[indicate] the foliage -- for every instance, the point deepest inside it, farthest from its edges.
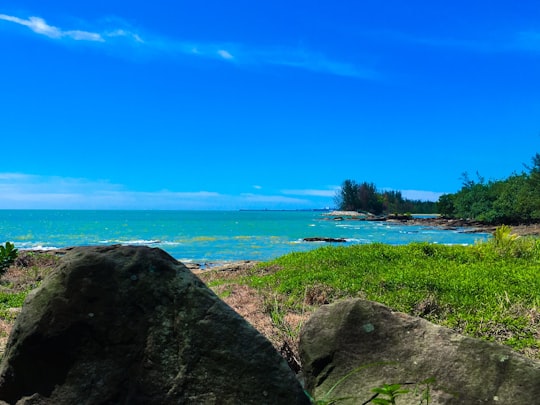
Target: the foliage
(489, 290)
(8, 301)
(8, 254)
(390, 391)
(25, 273)
(511, 201)
(364, 197)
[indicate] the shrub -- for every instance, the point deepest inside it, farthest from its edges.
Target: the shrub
(8, 254)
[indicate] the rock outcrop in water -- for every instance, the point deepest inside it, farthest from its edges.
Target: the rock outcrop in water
(388, 347)
(131, 325)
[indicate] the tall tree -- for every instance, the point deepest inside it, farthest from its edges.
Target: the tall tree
(347, 197)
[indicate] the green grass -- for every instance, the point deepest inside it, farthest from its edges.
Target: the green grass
(490, 290)
(9, 300)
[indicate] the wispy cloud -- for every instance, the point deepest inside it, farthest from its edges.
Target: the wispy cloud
(40, 26)
(225, 54)
(124, 34)
(239, 54)
(313, 61)
(26, 191)
(19, 190)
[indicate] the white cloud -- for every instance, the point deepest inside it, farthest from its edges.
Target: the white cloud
(40, 26)
(26, 191)
(19, 190)
(298, 58)
(83, 36)
(124, 33)
(225, 54)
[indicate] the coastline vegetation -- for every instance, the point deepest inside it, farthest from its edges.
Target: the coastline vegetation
(8, 254)
(489, 290)
(514, 200)
(364, 197)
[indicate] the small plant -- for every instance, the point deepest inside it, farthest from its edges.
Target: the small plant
(8, 254)
(384, 395)
(503, 236)
(508, 244)
(387, 394)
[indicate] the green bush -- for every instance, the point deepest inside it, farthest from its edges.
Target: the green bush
(8, 254)
(513, 200)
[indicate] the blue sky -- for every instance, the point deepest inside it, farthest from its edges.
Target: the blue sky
(245, 104)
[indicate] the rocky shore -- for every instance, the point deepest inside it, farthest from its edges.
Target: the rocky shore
(463, 225)
(468, 226)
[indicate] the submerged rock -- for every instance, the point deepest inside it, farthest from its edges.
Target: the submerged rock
(131, 325)
(386, 347)
(324, 239)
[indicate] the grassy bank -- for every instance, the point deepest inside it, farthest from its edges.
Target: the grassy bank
(490, 290)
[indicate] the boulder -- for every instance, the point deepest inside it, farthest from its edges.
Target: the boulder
(368, 345)
(131, 325)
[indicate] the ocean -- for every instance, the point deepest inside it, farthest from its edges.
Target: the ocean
(208, 236)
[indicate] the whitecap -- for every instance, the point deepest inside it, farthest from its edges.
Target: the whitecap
(140, 242)
(40, 247)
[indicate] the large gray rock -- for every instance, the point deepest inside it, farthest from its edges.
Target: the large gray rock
(397, 348)
(131, 325)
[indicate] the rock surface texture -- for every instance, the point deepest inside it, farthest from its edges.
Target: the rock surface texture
(131, 325)
(389, 347)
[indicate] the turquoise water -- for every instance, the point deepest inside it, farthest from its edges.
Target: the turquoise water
(206, 236)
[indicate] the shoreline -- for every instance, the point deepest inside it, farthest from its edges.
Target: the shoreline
(467, 226)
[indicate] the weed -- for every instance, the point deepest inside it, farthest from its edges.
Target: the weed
(390, 392)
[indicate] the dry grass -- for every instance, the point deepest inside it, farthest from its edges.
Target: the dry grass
(23, 275)
(28, 270)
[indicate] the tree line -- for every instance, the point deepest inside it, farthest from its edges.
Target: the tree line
(364, 197)
(510, 201)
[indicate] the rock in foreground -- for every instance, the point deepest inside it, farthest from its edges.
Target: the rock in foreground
(397, 348)
(131, 325)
